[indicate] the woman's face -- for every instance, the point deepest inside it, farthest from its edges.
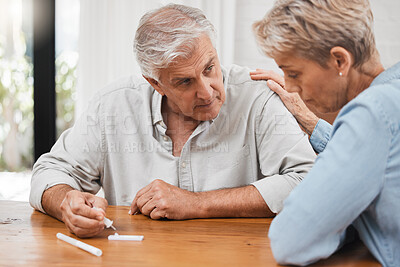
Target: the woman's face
(319, 87)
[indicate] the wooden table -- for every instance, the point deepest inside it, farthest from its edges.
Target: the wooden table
(30, 239)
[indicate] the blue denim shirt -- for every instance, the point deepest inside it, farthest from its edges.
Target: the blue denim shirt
(355, 180)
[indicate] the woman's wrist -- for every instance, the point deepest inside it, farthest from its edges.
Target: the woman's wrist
(308, 121)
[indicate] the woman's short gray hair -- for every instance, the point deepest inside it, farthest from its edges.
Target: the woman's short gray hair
(167, 33)
(311, 28)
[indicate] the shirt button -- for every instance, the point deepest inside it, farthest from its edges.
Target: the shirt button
(165, 138)
(183, 164)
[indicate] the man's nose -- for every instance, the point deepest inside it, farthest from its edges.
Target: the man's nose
(204, 91)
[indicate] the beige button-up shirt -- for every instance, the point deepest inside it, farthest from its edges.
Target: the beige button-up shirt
(120, 144)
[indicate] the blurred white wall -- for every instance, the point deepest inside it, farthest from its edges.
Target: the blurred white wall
(387, 30)
(107, 29)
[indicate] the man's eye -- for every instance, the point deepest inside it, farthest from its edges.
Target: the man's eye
(210, 68)
(185, 81)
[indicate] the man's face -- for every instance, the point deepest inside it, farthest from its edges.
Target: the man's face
(194, 87)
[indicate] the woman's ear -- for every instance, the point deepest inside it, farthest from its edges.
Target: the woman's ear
(155, 85)
(342, 60)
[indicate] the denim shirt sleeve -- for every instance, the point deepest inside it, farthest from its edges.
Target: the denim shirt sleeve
(346, 178)
(320, 135)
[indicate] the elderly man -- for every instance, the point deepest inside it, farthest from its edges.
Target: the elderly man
(189, 141)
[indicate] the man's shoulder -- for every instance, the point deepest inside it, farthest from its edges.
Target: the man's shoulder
(238, 79)
(240, 88)
(124, 94)
(133, 83)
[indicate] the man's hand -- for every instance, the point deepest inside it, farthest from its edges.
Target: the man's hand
(162, 200)
(79, 216)
(305, 117)
(74, 208)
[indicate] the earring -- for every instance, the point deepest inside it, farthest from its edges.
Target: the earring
(340, 74)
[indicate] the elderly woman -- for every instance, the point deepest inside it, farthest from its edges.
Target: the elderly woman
(327, 52)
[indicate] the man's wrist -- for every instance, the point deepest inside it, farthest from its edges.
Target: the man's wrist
(231, 202)
(52, 199)
(200, 208)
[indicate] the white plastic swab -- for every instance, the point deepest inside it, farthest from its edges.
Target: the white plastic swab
(107, 221)
(80, 244)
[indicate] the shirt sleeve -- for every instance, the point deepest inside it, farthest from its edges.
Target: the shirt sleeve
(320, 135)
(75, 159)
(346, 178)
(284, 153)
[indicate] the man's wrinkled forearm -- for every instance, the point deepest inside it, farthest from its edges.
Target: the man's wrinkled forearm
(233, 202)
(52, 199)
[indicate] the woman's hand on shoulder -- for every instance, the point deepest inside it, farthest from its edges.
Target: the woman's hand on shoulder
(305, 117)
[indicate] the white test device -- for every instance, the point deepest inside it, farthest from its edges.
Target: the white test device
(126, 237)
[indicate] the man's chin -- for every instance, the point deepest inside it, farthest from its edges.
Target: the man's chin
(206, 116)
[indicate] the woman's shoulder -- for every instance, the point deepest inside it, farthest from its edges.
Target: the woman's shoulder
(378, 104)
(384, 91)
(383, 96)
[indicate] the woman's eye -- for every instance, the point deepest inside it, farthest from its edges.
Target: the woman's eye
(292, 76)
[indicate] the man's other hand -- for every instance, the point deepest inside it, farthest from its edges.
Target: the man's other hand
(162, 200)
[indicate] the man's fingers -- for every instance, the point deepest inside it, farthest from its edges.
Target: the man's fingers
(86, 211)
(144, 199)
(144, 190)
(156, 214)
(81, 204)
(81, 226)
(81, 221)
(79, 215)
(134, 206)
(148, 207)
(82, 233)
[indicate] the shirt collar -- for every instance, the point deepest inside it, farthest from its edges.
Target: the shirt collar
(156, 107)
(225, 81)
(388, 75)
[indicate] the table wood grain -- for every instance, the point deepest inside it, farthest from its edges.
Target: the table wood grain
(29, 238)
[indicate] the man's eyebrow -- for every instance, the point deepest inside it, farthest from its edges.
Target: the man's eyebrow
(178, 79)
(209, 62)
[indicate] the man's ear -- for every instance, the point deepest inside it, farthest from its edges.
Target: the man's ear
(155, 85)
(342, 60)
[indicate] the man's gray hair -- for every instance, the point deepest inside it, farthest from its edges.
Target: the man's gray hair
(169, 32)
